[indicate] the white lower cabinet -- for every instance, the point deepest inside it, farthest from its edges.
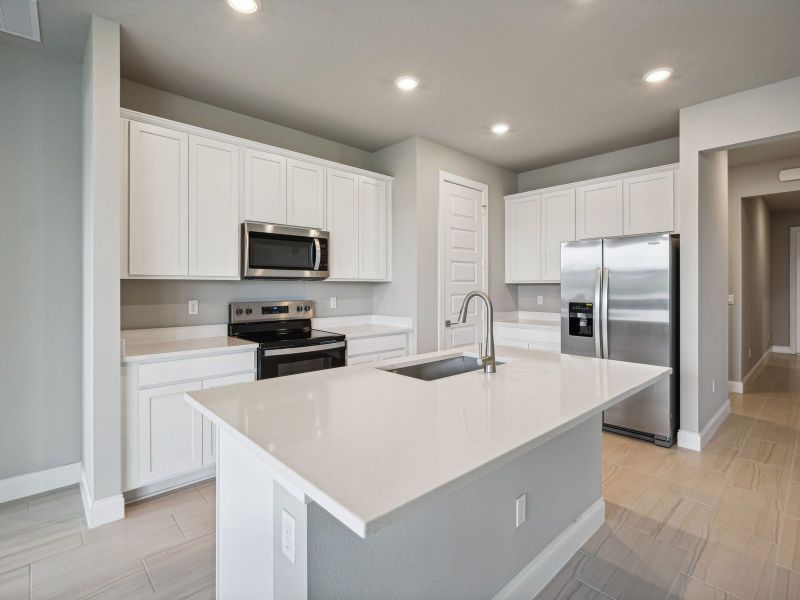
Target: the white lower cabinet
(373, 349)
(166, 440)
(529, 338)
(170, 433)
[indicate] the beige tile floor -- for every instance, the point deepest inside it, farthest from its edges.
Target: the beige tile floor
(164, 549)
(723, 524)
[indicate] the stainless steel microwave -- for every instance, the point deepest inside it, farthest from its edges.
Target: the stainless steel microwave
(283, 252)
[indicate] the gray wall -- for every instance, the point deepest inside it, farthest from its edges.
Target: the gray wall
(743, 182)
(431, 158)
(142, 98)
(756, 305)
(40, 242)
(154, 303)
(527, 297)
(463, 544)
(780, 222)
(629, 159)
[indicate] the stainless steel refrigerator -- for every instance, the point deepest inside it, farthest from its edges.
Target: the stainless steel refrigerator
(619, 300)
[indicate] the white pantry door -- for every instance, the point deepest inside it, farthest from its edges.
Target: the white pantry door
(462, 258)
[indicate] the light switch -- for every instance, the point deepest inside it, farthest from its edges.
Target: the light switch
(539, 299)
(521, 509)
(730, 299)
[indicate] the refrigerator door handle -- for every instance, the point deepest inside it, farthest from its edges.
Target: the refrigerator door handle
(598, 282)
(604, 317)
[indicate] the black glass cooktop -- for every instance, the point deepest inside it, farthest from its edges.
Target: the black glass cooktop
(284, 334)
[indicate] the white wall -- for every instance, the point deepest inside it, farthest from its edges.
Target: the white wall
(40, 268)
(102, 424)
(748, 116)
(663, 152)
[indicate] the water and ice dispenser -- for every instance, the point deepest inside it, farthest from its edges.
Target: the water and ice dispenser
(581, 321)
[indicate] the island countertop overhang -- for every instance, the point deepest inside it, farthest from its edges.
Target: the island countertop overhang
(368, 445)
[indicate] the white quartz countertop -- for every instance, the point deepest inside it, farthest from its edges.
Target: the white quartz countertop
(169, 349)
(353, 332)
(369, 445)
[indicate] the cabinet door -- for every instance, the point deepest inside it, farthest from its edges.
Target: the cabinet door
(558, 225)
(170, 433)
(158, 201)
(209, 429)
(372, 235)
(648, 203)
(600, 210)
(523, 239)
(213, 208)
(342, 222)
(264, 187)
(305, 203)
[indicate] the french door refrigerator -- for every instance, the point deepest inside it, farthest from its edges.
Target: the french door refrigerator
(619, 300)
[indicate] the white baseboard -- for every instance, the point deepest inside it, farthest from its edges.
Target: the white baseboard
(692, 440)
(754, 369)
(38, 482)
(534, 576)
(736, 387)
(100, 512)
(782, 350)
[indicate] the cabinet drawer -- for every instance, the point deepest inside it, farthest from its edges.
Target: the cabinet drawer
(523, 335)
(376, 344)
(203, 367)
(363, 358)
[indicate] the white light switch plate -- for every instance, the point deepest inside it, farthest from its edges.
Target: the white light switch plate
(539, 299)
(730, 299)
(287, 535)
(333, 301)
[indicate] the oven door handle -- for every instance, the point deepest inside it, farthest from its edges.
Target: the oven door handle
(318, 254)
(303, 349)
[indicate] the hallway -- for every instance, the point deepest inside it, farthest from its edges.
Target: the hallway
(721, 524)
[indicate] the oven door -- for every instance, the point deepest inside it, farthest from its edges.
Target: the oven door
(282, 252)
(301, 359)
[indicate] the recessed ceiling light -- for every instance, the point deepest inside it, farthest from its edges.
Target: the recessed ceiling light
(500, 128)
(658, 75)
(247, 7)
(406, 83)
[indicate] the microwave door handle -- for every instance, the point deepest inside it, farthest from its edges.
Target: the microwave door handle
(317, 254)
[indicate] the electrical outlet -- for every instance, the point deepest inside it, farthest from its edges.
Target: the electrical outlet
(730, 299)
(520, 509)
(287, 535)
(194, 307)
(539, 299)
(333, 301)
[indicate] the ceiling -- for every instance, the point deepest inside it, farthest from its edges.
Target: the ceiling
(787, 147)
(566, 74)
(783, 201)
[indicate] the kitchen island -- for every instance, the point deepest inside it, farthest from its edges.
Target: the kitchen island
(362, 483)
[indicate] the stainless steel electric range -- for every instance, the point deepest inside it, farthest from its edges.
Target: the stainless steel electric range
(287, 343)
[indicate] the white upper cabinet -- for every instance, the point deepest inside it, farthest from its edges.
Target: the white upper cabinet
(342, 222)
(213, 208)
(600, 209)
(523, 239)
(649, 203)
(158, 201)
(264, 186)
(558, 225)
(305, 201)
(373, 214)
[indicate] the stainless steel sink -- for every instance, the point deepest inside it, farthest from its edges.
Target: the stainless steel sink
(439, 369)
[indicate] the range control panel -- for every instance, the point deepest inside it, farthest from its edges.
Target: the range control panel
(248, 312)
(581, 320)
